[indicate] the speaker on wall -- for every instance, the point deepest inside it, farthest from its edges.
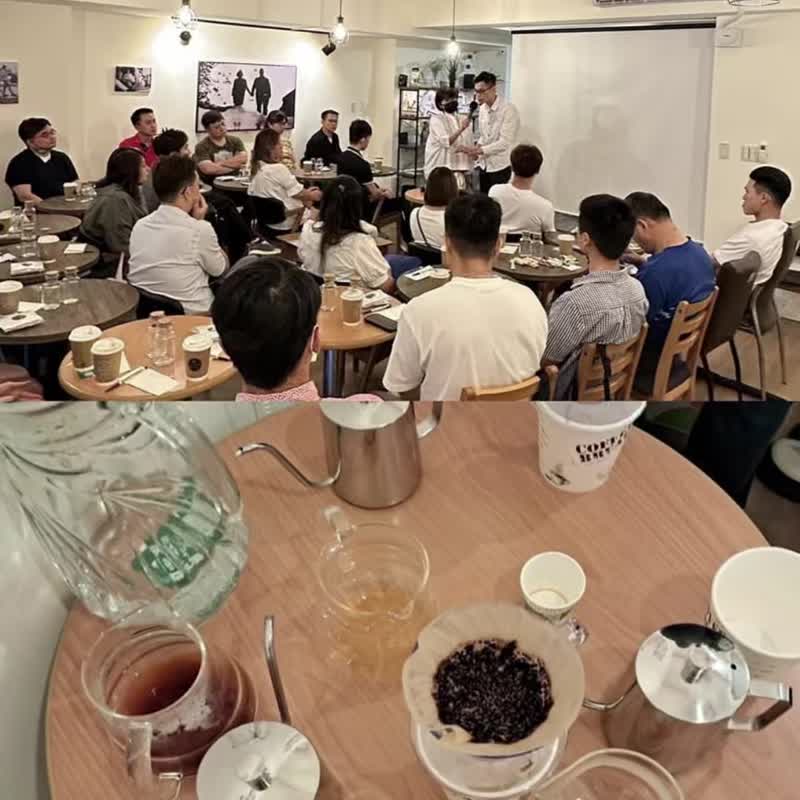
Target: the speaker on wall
(469, 81)
(402, 81)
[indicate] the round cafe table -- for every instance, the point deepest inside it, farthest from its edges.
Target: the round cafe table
(542, 278)
(408, 289)
(46, 225)
(83, 261)
(416, 197)
(315, 176)
(650, 542)
(134, 334)
(60, 205)
(235, 184)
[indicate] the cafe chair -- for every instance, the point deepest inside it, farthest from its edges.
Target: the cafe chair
(150, 302)
(735, 281)
(267, 212)
(429, 256)
(674, 374)
(607, 372)
(526, 390)
(381, 220)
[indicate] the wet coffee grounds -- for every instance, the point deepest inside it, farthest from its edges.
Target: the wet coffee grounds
(494, 691)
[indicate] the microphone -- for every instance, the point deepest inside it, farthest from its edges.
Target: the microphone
(473, 108)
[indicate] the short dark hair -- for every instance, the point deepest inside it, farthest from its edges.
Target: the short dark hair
(138, 114)
(647, 206)
(29, 127)
(486, 77)
(609, 223)
(169, 141)
(443, 95)
(123, 169)
(359, 129)
(172, 175)
(211, 118)
(276, 116)
(265, 314)
(329, 112)
(526, 160)
(472, 224)
(775, 182)
(441, 188)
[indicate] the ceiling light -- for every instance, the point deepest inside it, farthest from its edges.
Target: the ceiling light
(340, 34)
(185, 21)
(453, 47)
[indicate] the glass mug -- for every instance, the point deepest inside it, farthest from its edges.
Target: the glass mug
(165, 697)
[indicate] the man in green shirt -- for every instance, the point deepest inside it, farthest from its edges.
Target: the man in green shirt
(218, 154)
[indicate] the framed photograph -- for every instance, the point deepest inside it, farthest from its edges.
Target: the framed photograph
(133, 80)
(9, 82)
(245, 93)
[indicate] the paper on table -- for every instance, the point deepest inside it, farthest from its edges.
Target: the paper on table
(25, 307)
(392, 313)
(26, 268)
(7, 257)
(218, 353)
(74, 249)
(509, 249)
(18, 322)
(125, 365)
(275, 251)
(419, 274)
(154, 383)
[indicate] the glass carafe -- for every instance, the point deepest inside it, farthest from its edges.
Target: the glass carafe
(131, 503)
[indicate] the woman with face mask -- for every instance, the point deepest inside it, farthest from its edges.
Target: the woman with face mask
(447, 135)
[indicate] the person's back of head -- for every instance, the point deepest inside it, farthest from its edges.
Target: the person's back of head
(172, 176)
(650, 215)
(169, 142)
(340, 210)
(266, 149)
(277, 117)
(29, 127)
(774, 183)
(124, 168)
(360, 130)
(265, 315)
(472, 227)
(441, 188)
(211, 118)
(526, 161)
(607, 224)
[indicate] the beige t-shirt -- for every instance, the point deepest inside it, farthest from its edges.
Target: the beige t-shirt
(276, 182)
(764, 238)
(524, 210)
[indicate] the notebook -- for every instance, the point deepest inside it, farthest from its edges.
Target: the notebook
(386, 320)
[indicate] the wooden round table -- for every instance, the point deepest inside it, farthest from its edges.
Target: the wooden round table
(316, 177)
(60, 205)
(240, 185)
(408, 289)
(338, 339)
(384, 172)
(103, 303)
(542, 278)
(46, 225)
(134, 334)
(416, 197)
(83, 261)
(650, 542)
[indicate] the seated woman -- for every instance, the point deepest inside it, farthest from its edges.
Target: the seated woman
(272, 179)
(119, 206)
(279, 122)
(343, 245)
(427, 222)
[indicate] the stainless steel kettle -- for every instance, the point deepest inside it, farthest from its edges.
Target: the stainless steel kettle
(690, 683)
(372, 451)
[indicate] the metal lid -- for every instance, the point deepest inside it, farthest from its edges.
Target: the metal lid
(363, 416)
(692, 673)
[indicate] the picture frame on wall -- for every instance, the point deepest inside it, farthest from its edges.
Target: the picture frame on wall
(9, 83)
(133, 80)
(245, 93)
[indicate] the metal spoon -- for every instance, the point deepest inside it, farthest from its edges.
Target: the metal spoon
(272, 665)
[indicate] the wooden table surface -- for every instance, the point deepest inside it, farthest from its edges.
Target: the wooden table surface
(103, 303)
(293, 240)
(46, 225)
(60, 205)
(314, 176)
(335, 335)
(540, 274)
(416, 197)
(83, 261)
(235, 185)
(650, 542)
(134, 334)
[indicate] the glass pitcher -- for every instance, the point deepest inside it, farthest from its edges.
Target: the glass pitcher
(131, 504)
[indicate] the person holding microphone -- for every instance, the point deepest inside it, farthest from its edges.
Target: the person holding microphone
(448, 138)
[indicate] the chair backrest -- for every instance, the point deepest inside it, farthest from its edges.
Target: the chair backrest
(526, 390)
(429, 256)
(764, 299)
(267, 212)
(150, 302)
(735, 281)
(684, 342)
(378, 210)
(607, 372)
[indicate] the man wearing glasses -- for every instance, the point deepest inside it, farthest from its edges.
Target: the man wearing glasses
(498, 123)
(39, 171)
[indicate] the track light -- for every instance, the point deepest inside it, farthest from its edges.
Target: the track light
(329, 48)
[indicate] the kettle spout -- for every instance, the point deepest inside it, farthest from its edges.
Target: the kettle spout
(288, 465)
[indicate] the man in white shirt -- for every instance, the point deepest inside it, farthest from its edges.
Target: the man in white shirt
(764, 197)
(478, 330)
(498, 123)
(174, 250)
(523, 209)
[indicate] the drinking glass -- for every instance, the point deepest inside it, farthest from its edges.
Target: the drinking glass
(163, 352)
(29, 248)
(51, 295)
(329, 293)
(70, 286)
(537, 245)
(526, 245)
(152, 332)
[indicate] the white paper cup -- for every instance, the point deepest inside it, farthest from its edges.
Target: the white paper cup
(552, 585)
(566, 242)
(352, 306)
(10, 295)
(441, 275)
(49, 247)
(755, 601)
(81, 341)
(71, 191)
(579, 442)
(197, 355)
(107, 355)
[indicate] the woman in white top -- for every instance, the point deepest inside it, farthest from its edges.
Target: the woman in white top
(447, 134)
(272, 179)
(427, 222)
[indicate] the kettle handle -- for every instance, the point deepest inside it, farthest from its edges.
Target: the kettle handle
(779, 692)
(288, 465)
(428, 425)
(140, 765)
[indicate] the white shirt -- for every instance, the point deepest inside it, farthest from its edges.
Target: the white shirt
(499, 130)
(172, 254)
(765, 238)
(427, 226)
(438, 150)
(485, 332)
(524, 210)
(356, 252)
(275, 181)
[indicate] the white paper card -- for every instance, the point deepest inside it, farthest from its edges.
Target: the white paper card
(17, 322)
(124, 365)
(7, 257)
(26, 268)
(420, 274)
(28, 308)
(393, 313)
(154, 383)
(509, 249)
(74, 249)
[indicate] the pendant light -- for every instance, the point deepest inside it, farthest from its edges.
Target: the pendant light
(453, 47)
(185, 21)
(340, 35)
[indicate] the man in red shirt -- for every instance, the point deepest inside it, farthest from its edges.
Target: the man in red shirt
(144, 120)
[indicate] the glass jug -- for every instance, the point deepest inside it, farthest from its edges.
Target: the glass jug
(131, 504)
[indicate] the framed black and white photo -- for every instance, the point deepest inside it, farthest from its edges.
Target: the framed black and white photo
(245, 93)
(9, 82)
(133, 80)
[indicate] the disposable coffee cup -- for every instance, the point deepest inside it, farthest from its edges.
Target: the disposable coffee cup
(352, 302)
(49, 247)
(579, 443)
(378, 162)
(197, 356)
(552, 585)
(107, 356)
(440, 275)
(10, 295)
(566, 242)
(308, 166)
(81, 341)
(71, 191)
(755, 602)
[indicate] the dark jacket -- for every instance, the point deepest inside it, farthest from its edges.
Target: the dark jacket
(319, 146)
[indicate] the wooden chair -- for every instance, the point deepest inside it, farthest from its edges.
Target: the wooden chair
(607, 372)
(526, 390)
(676, 370)
(381, 220)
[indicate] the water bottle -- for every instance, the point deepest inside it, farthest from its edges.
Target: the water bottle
(50, 293)
(537, 245)
(29, 248)
(70, 286)
(526, 245)
(155, 317)
(329, 292)
(164, 346)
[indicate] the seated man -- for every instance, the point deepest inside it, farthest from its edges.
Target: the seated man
(764, 197)
(606, 306)
(218, 154)
(678, 269)
(478, 330)
(144, 120)
(324, 143)
(174, 250)
(39, 171)
(523, 209)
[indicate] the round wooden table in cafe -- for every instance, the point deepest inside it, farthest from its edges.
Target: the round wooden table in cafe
(315, 176)
(416, 197)
(46, 225)
(135, 336)
(542, 278)
(650, 542)
(408, 289)
(60, 205)
(83, 261)
(232, 184)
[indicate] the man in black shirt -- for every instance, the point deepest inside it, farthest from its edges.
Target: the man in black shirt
(40, 171)
(324, 143)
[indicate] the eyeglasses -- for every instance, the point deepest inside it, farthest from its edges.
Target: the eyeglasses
(483, 91)
(47, 133)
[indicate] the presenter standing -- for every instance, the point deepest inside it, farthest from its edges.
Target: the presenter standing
(449, 137)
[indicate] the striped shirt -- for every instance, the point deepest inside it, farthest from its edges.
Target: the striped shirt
(603, 307)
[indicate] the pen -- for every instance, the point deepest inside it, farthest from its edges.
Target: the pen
(126, 377)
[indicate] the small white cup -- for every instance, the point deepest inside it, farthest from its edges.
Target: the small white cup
(552, 584)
